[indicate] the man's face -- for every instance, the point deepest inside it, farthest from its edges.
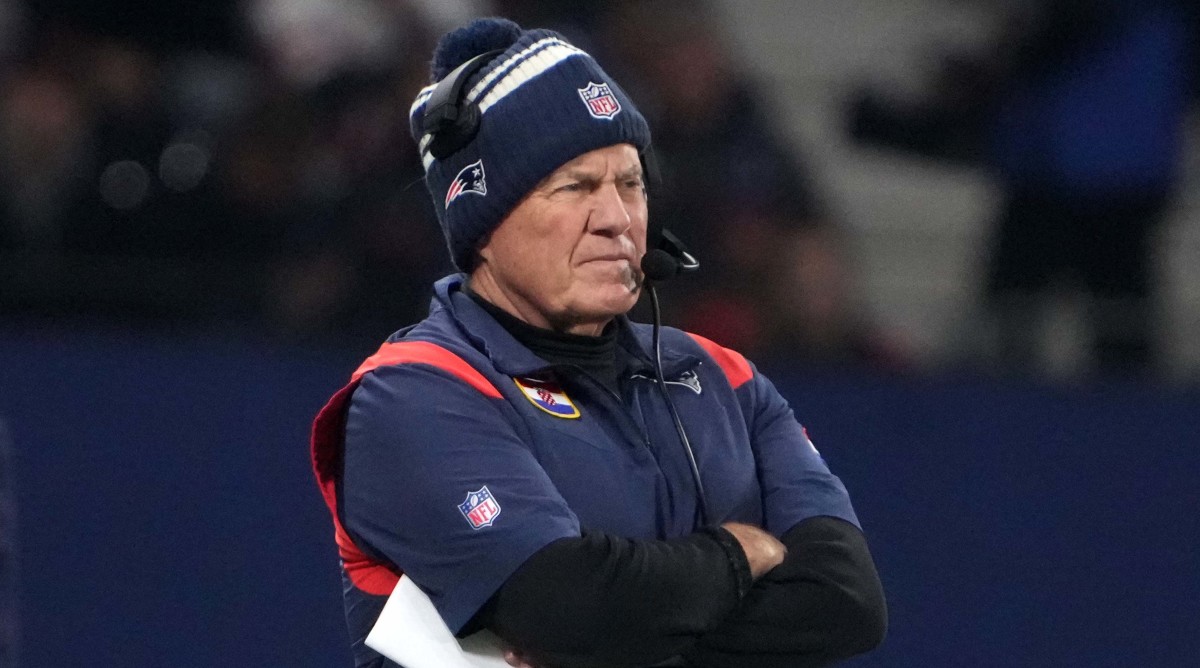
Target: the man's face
(567, 257)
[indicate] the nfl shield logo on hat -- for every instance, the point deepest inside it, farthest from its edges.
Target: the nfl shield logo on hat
(601, 102)
(480, 508)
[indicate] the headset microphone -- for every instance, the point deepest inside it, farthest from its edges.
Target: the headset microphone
(668, 260)
(659, 264)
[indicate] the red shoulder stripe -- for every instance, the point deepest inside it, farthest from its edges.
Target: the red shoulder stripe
(329, 427)
(736, 368)
(367, 575)
(423, 352)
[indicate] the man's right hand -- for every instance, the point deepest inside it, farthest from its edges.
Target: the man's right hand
(763, 550)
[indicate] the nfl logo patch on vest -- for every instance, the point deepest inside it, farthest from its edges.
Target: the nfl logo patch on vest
(601, 102)
(548, 396)
(480, 508)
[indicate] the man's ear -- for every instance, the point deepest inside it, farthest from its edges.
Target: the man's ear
(482, 253)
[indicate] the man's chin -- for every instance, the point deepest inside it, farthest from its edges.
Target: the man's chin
(612, 301)
(601, 274)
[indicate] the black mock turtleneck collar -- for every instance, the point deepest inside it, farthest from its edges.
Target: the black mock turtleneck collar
(597, 355)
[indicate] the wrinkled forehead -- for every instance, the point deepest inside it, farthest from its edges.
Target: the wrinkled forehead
(617, 160)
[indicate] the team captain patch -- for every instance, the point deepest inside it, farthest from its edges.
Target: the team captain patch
(548, 396)
(480, 508)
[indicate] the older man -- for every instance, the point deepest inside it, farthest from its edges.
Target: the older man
(513, 454)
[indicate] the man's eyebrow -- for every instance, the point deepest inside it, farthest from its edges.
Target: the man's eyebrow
(586, 175)
(630, 172)
(578, 174)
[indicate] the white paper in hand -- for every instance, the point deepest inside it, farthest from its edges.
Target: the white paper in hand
(410, 632)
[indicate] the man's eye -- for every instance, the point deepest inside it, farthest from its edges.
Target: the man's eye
(570, 187)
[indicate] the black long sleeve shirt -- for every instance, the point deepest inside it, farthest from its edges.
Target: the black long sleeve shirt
(600, 601)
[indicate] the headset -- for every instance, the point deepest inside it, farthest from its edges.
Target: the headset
(450, 119)
(453, 121)
(665, 259)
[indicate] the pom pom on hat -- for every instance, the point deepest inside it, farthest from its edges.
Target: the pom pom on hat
(479, 36)
(541, 103)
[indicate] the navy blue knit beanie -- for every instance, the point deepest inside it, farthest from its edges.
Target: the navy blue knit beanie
(543, 103)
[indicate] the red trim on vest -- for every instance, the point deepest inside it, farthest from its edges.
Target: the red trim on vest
(422, 352)
(329, 430)
(736, 368)
(328, 436)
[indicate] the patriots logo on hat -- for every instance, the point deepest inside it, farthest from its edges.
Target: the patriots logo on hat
(600, 101)
(480, 508)
(469, 180)
(548, 396)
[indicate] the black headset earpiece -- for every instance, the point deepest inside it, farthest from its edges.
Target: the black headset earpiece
(451, 120)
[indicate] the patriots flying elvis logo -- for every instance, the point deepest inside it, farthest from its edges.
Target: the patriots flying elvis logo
(469, 180)
(687, 379)
(480, 508)
(600, 101)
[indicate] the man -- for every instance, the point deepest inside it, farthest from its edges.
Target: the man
(512, 453)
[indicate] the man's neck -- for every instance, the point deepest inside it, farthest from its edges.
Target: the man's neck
(598, 356)
(484, 286)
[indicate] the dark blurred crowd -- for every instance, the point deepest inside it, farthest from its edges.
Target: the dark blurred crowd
(1077, 109)
(237, 165)
(248, 165)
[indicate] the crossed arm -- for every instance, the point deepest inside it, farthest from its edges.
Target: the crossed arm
(732, 597)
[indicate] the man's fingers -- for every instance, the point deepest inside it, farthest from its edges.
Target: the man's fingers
(513, 658)
(763, 550)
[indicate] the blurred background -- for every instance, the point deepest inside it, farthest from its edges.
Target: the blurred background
(962, 236)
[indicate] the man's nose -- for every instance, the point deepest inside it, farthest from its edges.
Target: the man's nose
(610, 213)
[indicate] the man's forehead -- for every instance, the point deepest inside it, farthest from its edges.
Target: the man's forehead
(619, 158)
